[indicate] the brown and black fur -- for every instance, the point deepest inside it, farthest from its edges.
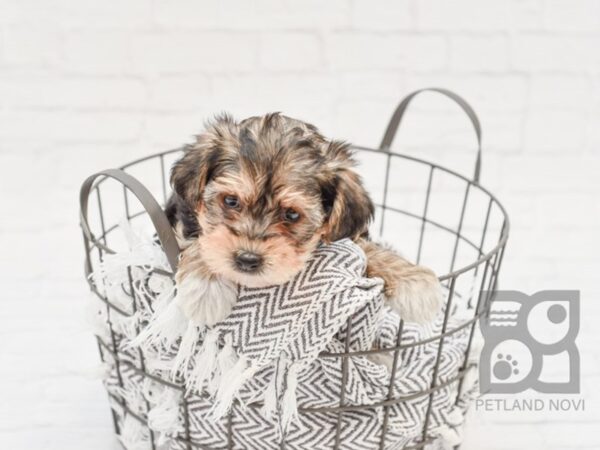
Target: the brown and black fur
(273, 165)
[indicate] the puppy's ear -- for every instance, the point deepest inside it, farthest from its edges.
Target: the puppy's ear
(191, 174)
(347, 205)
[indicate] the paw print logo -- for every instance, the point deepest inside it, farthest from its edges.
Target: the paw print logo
(523, 333)
(505, 367)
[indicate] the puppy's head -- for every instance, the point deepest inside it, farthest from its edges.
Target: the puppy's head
(265, 192)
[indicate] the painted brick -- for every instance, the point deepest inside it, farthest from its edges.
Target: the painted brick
(560, 92)
(24, 47)
(73, 92)
(471, 15)
(180, 92)
(576, 15)
(480, 53)
(97, 52)
(257, 15)
(290, 51)
(191, 52)
(563, 54)
(383, 15)
(354, 51)
(560, 132)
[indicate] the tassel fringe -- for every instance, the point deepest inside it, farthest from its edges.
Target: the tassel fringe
(289, 406)
(271, 393)
(163, 415)
(281, 392)
(187, 349)
(164, 328)
(226, 361)
(205, 363)
(229, 386)
(134, 436)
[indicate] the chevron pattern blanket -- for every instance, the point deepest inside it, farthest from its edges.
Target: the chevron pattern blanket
(256, 379)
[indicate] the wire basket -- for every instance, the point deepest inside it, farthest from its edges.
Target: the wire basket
(436, 216)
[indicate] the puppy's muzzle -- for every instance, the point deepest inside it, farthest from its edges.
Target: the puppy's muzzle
(248, 262)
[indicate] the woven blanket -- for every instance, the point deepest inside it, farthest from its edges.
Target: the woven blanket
(256, 377)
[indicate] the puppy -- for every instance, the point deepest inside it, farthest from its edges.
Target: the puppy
(253, 199)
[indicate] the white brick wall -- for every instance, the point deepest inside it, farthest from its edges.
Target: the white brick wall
(86, 85)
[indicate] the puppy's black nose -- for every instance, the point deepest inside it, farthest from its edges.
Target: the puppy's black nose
(248, 261)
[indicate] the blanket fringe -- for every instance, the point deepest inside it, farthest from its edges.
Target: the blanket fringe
(281, 391)
(163, 415)
(229, 385)
(452, 437)
(164, 328)
(205, 363)
(226, 361)
(270, 395)
(111, 272)
(187, 349)
(289, 405)
(133, 435)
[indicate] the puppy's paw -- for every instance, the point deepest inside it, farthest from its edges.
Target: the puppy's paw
(416, 295)
(206, 300)
(413, 291)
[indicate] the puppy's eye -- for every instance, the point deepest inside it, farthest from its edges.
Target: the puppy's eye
(291, 215)
(231, 201)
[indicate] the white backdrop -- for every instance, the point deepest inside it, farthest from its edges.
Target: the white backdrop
(87, 85)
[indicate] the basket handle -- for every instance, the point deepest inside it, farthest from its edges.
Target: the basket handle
(396, 118)
(152, 207)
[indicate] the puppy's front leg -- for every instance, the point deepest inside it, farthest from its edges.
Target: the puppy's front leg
(413, 291)
(204, 297)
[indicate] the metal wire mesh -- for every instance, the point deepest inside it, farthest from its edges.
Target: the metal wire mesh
(476, 242)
